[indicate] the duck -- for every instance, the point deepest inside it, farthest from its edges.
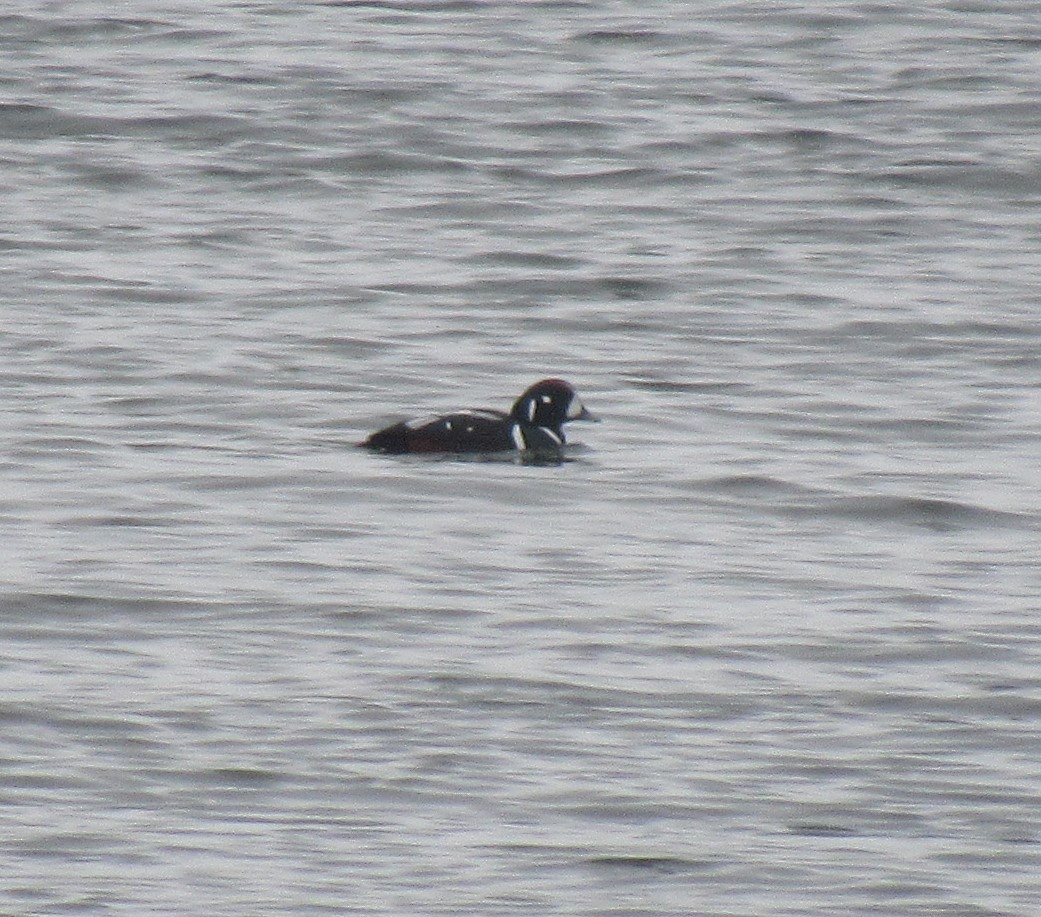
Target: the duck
(534, 425)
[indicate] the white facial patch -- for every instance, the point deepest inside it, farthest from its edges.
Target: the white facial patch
(574, 409)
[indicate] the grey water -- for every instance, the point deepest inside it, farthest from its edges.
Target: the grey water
(770, 643)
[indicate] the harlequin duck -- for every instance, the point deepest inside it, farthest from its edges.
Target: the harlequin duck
(533, 426)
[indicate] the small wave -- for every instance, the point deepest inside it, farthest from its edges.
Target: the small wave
(527, 259)
(666, 865)
(103, 28)
(820, 829)
(69, 607)
(40, 122)
(965, 175)
(680, 386)
(932, 513)
(409, 6)
(757, 484)
(795, 500)
(622, 37)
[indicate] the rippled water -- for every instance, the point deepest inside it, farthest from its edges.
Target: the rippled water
(769, 644)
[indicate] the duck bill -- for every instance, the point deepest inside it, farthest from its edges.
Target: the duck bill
(586, 414)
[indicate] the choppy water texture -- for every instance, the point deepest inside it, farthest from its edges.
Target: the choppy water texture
(768, 645)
